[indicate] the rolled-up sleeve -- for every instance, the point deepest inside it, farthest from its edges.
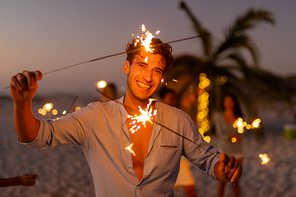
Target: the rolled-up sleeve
(71, 129)
(202, 154)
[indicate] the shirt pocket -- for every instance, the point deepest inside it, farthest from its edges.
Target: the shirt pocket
(170, 149)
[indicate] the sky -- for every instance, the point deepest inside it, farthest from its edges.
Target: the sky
(48, 35)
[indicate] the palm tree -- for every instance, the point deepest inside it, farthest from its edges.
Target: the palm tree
(226, 59)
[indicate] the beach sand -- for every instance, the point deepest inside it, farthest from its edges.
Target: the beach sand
(64, 172)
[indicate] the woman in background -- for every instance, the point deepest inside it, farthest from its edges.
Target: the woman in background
(228, 139)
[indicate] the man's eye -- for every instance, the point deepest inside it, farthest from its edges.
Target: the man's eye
(158, 71)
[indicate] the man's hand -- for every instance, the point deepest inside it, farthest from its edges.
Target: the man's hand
(228, 169)
(23, 86)
(27, 179)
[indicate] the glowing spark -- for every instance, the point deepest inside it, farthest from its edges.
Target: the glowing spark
(101, 84)
(256, 123)
(240, 124)
(143, 28)
(175, 80)
(146, 115)
(146, 39)
(162, 80)
(129, 148)
(146, 59)
(265, 159)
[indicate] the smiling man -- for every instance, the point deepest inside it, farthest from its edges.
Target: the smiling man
(103, 130)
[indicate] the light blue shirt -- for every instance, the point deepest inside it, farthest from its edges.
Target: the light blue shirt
(102, 132)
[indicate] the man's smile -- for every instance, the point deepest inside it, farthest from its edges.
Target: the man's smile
(147, 87)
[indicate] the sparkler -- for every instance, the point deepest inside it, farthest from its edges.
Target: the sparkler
(265, 159)
(129, 148)
(240, 124)
(117, 54)
(145, 116)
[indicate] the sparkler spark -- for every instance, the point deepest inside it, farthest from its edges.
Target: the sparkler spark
(129, 148)
(265, 159)
(240, 124)
(146, 39)
(145, 116)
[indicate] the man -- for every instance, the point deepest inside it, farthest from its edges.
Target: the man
(103, 130)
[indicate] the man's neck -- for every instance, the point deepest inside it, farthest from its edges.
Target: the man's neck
(132, 105)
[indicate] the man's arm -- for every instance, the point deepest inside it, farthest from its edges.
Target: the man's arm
(228, 169)
(23, 87)
(24, 180)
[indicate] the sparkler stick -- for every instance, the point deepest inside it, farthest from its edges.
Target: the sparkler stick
(116, 54)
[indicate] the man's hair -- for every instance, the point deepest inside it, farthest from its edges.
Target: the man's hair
(163, 49)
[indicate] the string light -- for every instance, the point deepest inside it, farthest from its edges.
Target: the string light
(202, 105)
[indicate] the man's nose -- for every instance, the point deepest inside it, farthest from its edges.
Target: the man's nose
(148, 75)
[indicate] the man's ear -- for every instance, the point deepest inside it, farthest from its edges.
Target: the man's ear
(126, 66)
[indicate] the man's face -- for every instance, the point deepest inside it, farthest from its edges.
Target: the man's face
(144, 75)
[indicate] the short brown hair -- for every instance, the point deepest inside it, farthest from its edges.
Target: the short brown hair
(159, 47)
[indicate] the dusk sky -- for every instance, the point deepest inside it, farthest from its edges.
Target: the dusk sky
(47, 35)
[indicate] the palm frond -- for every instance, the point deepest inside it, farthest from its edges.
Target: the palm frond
(206, 40)
(237, 42)
(250, 19)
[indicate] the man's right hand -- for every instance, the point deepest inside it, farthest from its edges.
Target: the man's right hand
(23, 86)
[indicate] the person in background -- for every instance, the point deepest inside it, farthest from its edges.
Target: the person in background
(185, 179)
(24, 180)
(109, 93)
(228, 139)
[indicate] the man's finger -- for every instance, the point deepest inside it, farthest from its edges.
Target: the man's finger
(229, 164)
(233, 169)
(38, 75)
(237, 174)
(22, 80)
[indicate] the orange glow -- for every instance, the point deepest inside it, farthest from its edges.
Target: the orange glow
(101, 84)
(48, 106)
(146, 38)
(129, 148)
(265, 159)
(54, 112)
(233, 140)
(146, 115)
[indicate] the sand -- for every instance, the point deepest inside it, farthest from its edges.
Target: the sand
(64, 172)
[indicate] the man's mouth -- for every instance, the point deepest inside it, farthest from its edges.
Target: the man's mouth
(147, 87)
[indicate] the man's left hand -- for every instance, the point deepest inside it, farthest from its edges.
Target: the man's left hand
(228, 169)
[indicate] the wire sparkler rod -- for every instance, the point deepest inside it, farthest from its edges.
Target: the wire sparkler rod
(116, 54)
